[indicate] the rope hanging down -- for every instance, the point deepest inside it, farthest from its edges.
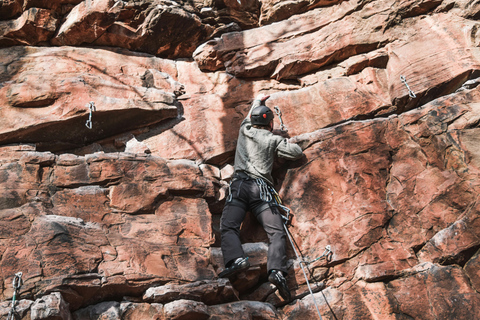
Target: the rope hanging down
(411, 94)
(91, 107)
(303, 269)
(17, 283)
(327, 253)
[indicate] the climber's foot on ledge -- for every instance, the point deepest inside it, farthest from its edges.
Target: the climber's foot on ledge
(240, 264)
(276, 277)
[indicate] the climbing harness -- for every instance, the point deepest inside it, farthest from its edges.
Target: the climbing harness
(17, 283)
(91, 107)
(283, 128)
(411, 94)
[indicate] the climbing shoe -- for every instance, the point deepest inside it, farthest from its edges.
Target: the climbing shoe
(276, 277)
(238, 265)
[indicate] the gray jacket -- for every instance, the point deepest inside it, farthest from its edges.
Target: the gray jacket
(256, 149)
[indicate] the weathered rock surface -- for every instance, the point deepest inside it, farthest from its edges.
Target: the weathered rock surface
(77, 232)
(22, 309)
(39, 103)
(207, 292)
(51, 307)
(113, 26)
(111, 210)
(178, 27)
(33, 27)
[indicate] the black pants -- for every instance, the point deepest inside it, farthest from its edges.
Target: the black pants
(246, 197)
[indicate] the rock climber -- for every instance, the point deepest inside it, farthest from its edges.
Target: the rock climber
(250, 190)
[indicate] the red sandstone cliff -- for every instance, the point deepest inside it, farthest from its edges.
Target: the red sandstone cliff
(120, 221)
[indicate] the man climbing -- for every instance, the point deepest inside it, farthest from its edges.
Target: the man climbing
(250, 191)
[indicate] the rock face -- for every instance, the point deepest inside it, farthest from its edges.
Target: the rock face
(118, 126)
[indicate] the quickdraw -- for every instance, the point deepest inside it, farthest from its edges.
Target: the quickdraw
(283, 128)
(91, 107)
(411, 94)
(277, 201)
(17, 283)
(328, 252)
(265, 192)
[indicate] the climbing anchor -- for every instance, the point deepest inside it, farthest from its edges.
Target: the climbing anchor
(17, 283)
(283, 128)
(91, 107)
